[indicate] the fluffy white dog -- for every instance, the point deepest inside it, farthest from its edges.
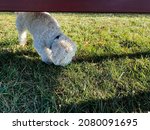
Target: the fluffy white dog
(50, 43)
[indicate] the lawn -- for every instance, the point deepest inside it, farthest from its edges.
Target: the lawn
(111, 72)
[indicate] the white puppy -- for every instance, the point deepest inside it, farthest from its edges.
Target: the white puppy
(50, 43)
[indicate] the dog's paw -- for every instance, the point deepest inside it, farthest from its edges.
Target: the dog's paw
(47, 62)
(22, 44)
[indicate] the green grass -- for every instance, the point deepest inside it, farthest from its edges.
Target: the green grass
(111, 72)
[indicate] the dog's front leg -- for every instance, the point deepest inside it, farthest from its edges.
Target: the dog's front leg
(44, 52)
(22, 37)
(22, 34)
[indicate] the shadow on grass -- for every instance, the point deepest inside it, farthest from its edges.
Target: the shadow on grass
(132, 103)
(26, 83)
(96, 58)
(139, 102)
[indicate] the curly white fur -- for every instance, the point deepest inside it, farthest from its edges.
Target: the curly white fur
(50, 43)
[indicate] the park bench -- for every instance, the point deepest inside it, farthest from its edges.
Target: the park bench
(122, 6)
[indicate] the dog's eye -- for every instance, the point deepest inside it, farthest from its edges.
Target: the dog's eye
(57, 37)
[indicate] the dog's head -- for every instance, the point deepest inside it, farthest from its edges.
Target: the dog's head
(63, 50)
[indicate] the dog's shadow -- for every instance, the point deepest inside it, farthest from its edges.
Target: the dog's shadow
(98, 58)
(139, 102)
(26, 83)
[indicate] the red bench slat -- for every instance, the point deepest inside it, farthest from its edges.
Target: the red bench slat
(123, 6)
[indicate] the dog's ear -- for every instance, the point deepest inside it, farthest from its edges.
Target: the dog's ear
(66, 45)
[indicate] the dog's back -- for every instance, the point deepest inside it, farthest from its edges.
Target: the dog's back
(37, 22)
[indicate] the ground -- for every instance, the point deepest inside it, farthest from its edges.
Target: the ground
(111, 72)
